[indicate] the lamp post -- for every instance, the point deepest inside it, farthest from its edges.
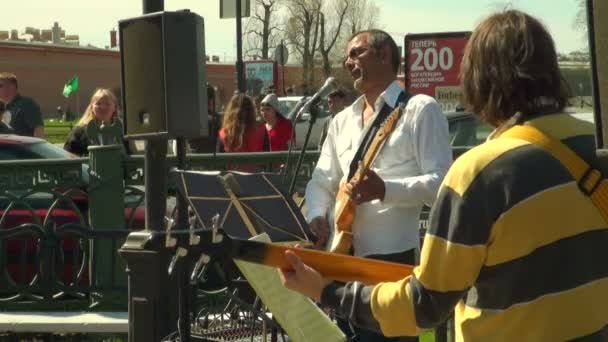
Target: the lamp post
(240, 73)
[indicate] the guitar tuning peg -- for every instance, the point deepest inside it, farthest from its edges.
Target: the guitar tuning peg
(179, 253)
(194, 239)
(203, 260)
(216, 235)
(170, 242)
(169, 221)
(215, 221)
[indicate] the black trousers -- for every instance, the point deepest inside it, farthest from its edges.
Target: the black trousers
(362, 335)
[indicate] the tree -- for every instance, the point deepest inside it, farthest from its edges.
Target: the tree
(261, 32)
(361, 15)
(329, 33)
(580, 22)
(303, 34)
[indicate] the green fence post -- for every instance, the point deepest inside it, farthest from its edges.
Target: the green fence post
(107, 212)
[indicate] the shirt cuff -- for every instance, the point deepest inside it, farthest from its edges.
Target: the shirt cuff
(315, 212)
(331, 296)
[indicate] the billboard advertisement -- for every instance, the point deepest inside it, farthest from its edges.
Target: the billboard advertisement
(432, 63)
(260, 77)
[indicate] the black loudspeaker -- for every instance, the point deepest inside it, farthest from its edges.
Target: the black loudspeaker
(164, 75)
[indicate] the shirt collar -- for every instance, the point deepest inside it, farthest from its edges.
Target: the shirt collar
(389, 96)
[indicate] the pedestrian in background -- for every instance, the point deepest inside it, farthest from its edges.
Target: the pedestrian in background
(280, 130)
(4, 122)
(22, 112)
(240, 131)
(102, 110)
(336, 102)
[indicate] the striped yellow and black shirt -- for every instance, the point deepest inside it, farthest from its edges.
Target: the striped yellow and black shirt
(513, 244)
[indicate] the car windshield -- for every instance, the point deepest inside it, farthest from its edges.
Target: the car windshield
(286, 106)
(468, 131)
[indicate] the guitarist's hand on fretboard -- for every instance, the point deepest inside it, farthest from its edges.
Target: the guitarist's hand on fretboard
(320, 228)
(368, 188)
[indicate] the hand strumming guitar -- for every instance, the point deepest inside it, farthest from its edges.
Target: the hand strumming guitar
(371, 187)
(320, 228)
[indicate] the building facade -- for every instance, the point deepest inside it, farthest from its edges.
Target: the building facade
(43, 69)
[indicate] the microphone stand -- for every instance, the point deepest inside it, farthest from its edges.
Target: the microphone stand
(314, 112)
(292, 141)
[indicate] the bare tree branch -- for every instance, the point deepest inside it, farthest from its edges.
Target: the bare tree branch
(261, 27)
(337, 13)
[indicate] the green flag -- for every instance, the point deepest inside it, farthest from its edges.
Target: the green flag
(71, 87)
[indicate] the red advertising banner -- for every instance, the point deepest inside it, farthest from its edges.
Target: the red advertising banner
(432, 64)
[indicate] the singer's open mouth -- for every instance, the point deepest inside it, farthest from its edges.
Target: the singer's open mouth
(355, 74)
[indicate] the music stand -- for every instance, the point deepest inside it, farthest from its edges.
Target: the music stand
(253, 204)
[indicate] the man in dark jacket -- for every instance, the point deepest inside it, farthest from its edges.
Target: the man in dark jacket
(24, 112)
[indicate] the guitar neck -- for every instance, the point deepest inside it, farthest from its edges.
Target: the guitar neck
(343, 268)
(376, 144)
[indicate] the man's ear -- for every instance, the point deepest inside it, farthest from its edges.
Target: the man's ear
(385, 54)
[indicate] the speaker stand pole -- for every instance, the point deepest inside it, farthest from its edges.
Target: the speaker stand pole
(184, 289)
(153, 312)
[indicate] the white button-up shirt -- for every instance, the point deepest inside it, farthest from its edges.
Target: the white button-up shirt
(412, 164)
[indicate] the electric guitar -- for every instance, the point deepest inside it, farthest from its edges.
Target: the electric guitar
(341, 237)
(207, 244)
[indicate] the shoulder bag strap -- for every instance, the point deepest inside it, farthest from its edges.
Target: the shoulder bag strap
(589, 180)
(370, 133)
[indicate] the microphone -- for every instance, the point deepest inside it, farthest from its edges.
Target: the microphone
(328, 87)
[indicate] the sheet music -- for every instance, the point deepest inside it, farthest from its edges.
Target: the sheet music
(301, 318)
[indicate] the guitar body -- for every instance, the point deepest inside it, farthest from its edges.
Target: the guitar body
(342, 238)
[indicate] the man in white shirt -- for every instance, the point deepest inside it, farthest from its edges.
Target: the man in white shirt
(406, 173)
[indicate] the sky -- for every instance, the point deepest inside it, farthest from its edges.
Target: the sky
(93, 19)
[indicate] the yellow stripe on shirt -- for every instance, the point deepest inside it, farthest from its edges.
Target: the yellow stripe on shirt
(544, 218)
(555, 317)
(463, 261)
(470, 164)
(392, 307)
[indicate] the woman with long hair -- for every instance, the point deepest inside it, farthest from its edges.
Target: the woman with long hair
(240, 132)
(102, 110)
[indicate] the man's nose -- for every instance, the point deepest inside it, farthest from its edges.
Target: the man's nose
(348, 64)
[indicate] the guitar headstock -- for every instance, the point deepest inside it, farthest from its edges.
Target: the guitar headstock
(200, 244)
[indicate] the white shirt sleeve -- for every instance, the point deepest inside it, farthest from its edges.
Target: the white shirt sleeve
(432, 151)
(322, 187)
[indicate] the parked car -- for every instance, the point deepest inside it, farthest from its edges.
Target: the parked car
(289, 106)
(467, 131)
(13, 147)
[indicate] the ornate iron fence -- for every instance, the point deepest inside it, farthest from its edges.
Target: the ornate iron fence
(57, 251)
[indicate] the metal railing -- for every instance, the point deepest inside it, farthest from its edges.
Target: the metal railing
(56, 253)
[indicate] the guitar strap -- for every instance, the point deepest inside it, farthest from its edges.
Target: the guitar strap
(371, 131)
